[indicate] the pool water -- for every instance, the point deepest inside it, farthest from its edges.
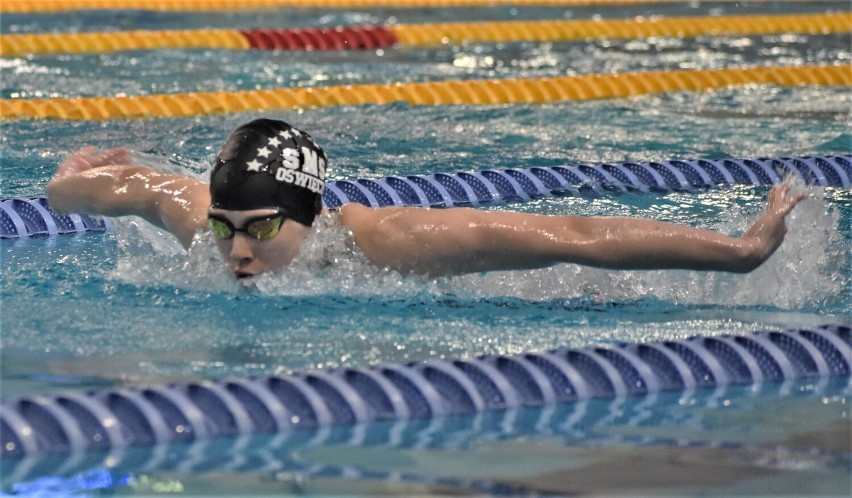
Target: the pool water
(130, 308)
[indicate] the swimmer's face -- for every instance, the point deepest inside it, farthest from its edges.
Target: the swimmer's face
(247, 255)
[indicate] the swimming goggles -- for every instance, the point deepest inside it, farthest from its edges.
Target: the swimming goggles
(260, 227)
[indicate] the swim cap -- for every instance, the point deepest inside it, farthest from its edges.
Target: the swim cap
(269, 164)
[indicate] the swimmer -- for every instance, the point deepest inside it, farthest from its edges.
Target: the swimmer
(265, 192)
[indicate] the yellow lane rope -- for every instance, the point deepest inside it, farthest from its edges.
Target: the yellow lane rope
(51, 43)
(430, 34)
(476, 92)
(13, 45)
(22, 6)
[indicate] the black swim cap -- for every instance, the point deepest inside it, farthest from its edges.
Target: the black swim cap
(269, 164)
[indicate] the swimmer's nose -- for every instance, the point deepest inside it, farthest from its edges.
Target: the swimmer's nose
(241, 250)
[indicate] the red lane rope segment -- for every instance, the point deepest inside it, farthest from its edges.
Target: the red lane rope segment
(371, 37)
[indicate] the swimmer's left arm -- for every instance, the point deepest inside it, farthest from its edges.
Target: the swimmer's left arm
(456, 241)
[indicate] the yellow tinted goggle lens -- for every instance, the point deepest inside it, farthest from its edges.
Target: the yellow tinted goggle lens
(265, 229)
(220, 229)
(261, 228)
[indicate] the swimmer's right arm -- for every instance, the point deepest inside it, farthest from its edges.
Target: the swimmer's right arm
(105, 183)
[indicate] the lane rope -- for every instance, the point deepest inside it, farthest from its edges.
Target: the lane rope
(567, 421)
(20, 218)
(414, 35)
(458, 92)
(45, 6)
(202, 410)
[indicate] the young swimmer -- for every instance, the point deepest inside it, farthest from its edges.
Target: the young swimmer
(265, 192)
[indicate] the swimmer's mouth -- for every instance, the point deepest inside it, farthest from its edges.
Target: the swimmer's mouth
(242, 274)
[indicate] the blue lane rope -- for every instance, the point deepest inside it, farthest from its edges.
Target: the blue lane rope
(27, 217)
(21, 218)
(263, 453)
(192, 411)
(518, 185)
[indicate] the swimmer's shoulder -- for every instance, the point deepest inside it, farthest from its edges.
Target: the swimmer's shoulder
(363, 219)
(354, 211)
(356, 216)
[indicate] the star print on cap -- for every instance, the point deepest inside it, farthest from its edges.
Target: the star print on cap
(294, 160)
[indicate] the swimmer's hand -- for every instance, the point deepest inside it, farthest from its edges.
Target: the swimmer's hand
(767, 233)
(90, 157)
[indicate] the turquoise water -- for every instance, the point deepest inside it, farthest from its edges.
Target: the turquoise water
(130, 308)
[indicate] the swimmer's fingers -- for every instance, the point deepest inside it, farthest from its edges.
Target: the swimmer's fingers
(86, 151)
(779, 203)
(76, 162)
(115, 156)
(90, 157)
(110, 157)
